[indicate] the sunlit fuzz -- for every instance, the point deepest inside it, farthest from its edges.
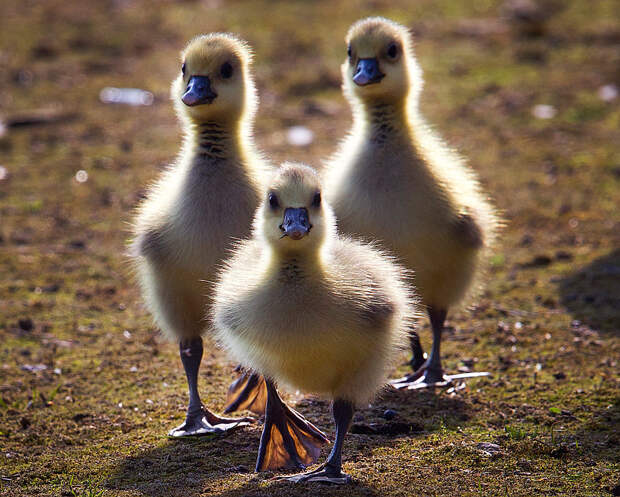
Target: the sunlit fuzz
(201, 204)
(393, 180)
(308, 308)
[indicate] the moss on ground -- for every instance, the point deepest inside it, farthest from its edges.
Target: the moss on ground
(93, 422)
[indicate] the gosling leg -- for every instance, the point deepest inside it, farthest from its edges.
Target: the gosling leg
(331, 470)
(434, 371)
(417, 353)
(199, 420)
(431, 373)
(288, 440)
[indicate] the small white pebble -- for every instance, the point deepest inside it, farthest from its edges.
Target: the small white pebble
(538, 366)
(149, 401)
(81, 176)
(518, 325)
(127, 96)
(127, 334)
(4, 173)
(544, 111)
(608, 93)
(547, 336)
(133, 369)
(135, 409)
(120, 405)
(165, 384)
(513, 348)
(57, 371)
(299, 136)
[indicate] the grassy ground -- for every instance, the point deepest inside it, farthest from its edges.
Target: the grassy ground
(93, 422)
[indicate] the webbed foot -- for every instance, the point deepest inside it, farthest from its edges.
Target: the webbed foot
(247, 392)
(426, 377)
(204, 422)
(288, 439)
(323, 474)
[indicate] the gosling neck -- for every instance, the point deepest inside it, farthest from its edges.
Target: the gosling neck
(215, 141)
(295, 266)
(384, 121)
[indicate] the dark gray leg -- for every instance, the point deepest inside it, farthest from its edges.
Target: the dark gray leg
(343, 414)
(434, 371)
(288, 440)
(431, 374)
(199, 420)
(331, 471)
(417, 353)
(191, 355)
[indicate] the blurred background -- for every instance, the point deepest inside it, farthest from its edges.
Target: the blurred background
(527, 90)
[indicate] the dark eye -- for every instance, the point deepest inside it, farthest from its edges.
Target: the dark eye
(392, 50)
(226, 70)
(183, 68)
(316, 200)
(349, 52)
(274, 203)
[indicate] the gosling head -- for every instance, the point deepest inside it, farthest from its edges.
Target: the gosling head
(214, 81)
(293, 216)
(380, 65)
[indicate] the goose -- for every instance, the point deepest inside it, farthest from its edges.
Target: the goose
(200, 204)
(311, 310)
(394, 181)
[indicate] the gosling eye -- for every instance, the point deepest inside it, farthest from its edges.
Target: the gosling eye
(183, 68)
(392, 50)
(226, 70)
(274, 203)
(316, 200)
(349, 51)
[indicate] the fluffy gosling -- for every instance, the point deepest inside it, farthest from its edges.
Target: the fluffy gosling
(393, 180)
(311, 310)
(202, 202)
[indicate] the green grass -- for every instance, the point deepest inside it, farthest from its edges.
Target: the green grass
(547, 332)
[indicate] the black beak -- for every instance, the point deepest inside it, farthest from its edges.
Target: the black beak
(296, 223)
(198, 91)
(367, 72)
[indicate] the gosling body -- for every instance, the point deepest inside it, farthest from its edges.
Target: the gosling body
(332, 320)
(312, 310)
(393, 180)
(200, 204)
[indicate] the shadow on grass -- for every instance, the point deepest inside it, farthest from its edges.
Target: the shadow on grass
(599, 438)
(288, 489)
(186, 467)
(592, 294)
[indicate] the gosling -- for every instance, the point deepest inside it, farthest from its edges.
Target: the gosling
(393, 180)
(311, 310)
(207, 198)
